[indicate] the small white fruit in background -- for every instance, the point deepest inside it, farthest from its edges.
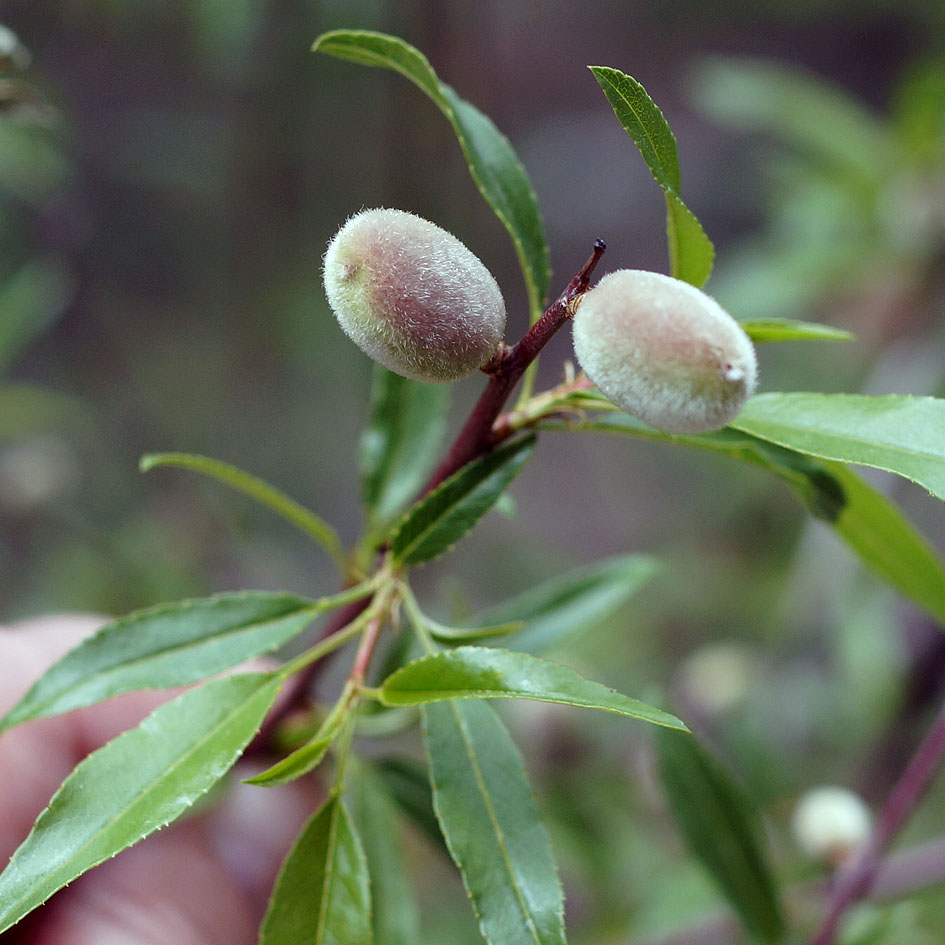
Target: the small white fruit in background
(412, 296)
(664, 351)
(831, 823)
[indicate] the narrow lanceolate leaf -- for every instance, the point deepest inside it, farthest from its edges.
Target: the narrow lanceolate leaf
(441, 518)
(304, 759)
(690, 250)
(493, 830)
(256, 488)
(897, 433)
(791, 329)
(138, 782)
(493, 164)
(394, 911)
(873, 527)
(721, 828)
(644, 122)
(477, 672)
(887, 542)
(170, 645)
(691, 253)
(322, 896)
(566, 606)
(400, 441)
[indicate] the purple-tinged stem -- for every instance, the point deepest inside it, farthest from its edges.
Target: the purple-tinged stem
(856, 880)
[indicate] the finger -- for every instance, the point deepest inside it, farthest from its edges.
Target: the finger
(171, 888)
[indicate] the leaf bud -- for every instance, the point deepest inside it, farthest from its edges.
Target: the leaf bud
(412, 296)
(664, 351)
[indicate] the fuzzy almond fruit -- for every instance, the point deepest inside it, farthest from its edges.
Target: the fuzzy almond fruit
(412, 296)
(664, 351)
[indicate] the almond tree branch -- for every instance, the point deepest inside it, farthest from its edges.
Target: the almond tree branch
(505, 370)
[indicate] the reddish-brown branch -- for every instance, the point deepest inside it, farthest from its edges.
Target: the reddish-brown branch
(475, 439)
(505, 370)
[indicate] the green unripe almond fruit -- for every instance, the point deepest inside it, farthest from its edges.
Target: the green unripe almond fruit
(664, 352)
(412, 296)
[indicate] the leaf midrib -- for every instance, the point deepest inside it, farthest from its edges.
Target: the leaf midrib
(493, 819)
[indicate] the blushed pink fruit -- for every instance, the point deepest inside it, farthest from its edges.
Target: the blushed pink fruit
(664, 352)
(412, 296)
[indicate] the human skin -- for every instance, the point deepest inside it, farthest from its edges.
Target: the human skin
(202, 881)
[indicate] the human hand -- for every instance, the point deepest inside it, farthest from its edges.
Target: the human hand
(201, 881)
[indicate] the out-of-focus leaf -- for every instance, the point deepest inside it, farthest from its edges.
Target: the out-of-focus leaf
(565, 606)
(791, 329)
(26, 409)
(897, 433)
(407, 782)
(169, 645)
(493, 164)
(887, 542)
(254, 487)
(721, 829)
(690, 251)
(478, 672)
(395, 914)
(400, 441)
(820, 119)
(873, 527)
(441, 518)
(322, 895)
(137, 783)
(30, 302)
(493, 830)
(14, 56)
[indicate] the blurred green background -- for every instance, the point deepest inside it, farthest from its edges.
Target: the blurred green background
(170, 174)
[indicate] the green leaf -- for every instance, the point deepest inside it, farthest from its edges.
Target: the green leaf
(137, 783)
(873, 527)
(322, 896)
(477, 672)
(690, 251)
(493, 164)
(454, 635)
(492, 827)
(887, 543)
(304, 759)
(400, 441)
(897, 433)
(644, 122)
(721, 829)
(273, 498)
(565, 606)
(170, 645)
(441, 518)
(395, 915)
(792, 329)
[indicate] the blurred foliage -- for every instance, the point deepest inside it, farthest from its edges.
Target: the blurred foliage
(169, 177)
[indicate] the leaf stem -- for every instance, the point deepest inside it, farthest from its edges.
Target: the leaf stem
(478, 435)
(274, 499)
